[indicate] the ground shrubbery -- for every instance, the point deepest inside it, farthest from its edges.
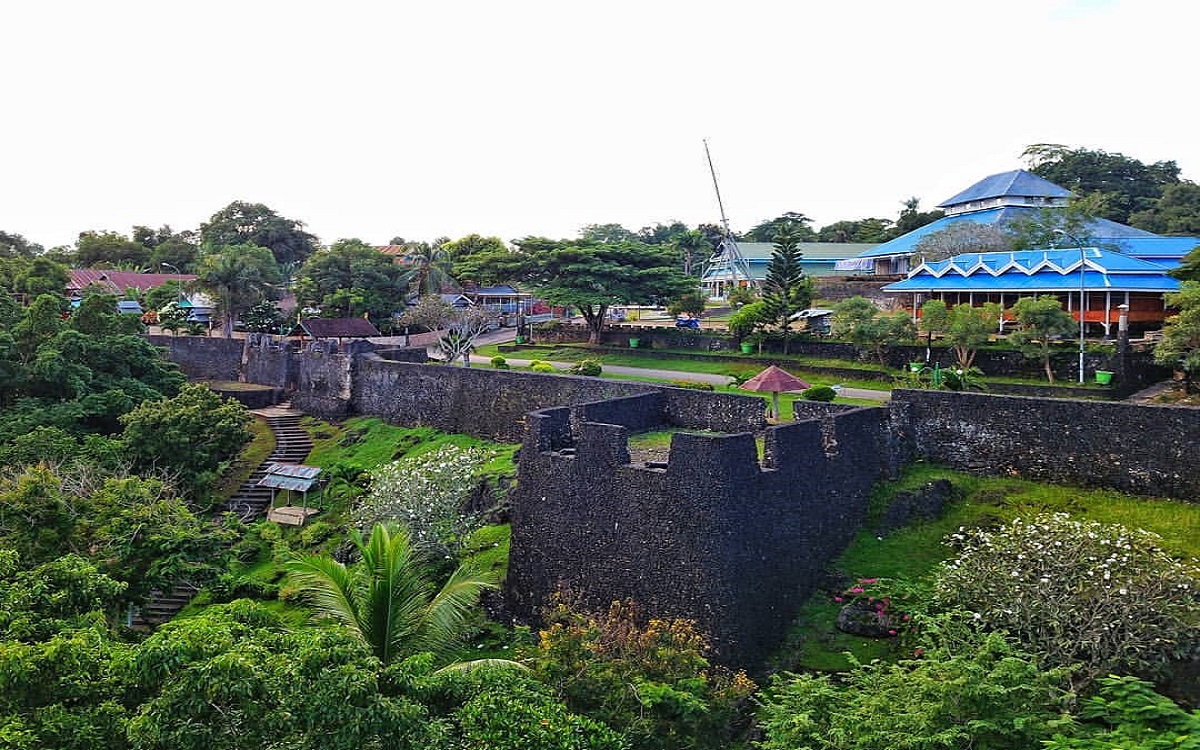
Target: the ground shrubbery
(427, 494)
(1099, 595)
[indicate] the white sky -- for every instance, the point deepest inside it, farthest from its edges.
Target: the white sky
(429, 117)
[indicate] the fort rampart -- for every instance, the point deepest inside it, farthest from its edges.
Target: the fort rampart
(726, 531)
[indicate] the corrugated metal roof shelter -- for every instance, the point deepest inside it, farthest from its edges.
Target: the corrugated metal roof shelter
(293, 477)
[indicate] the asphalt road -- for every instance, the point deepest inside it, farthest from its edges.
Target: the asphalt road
(505, 335)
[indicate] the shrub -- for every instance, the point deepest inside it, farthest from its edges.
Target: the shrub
(818, 393)
(1101, 595)
(538, 365)
(963, 689)
(500, 363)
(427, 494)
(693, 384)
(589, 366)
(651, 681)
(1127, 713)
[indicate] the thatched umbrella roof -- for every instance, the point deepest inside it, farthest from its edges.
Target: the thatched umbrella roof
(775, 380)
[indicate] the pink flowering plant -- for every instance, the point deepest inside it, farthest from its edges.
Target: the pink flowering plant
(1103, 596)
(874, 607)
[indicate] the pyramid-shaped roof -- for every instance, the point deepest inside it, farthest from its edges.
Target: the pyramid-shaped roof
(1017, 183)
(776, 380)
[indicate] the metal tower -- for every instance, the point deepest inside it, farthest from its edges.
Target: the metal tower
(727, 267)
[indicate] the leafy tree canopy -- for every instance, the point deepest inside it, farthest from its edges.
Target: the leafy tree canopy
(1180, 345)
(794, 221)
(110, 249)
(1126, 185)
(242, 223)
(590, 276)
(1040, 321)
(963, 237)
(187, 436)
(1176, 212)
(351, 278)
(237, 277)
(606, 233)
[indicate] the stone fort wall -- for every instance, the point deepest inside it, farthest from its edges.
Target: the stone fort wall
(716, 534)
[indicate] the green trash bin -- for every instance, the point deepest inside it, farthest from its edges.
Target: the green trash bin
(1103, 377)
(633, 343)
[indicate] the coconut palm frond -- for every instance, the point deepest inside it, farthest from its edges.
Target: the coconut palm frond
(329, 587)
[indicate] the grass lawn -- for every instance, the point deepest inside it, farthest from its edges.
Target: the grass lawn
(912, 553)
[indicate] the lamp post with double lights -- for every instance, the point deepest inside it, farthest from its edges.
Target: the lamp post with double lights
(178, 283)
(1082, 292)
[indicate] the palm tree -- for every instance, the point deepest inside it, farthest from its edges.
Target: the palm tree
(237, 276)
(388, 600)
(429, 265)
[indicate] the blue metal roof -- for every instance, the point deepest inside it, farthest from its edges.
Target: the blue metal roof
(1038, 271)
(1017, 183)
(1099, 231)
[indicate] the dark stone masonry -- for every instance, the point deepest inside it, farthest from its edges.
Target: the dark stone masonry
(716, 533)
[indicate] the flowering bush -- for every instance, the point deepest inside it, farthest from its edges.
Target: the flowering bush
(426, 494)
(868, 609)
(650, 680)
(1101, 595)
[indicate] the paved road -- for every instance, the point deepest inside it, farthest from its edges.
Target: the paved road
(504, 335)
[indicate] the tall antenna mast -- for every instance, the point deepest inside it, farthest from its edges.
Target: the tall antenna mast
(727, 266)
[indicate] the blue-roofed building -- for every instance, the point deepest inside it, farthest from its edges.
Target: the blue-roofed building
(996, 200)
(1106, 279)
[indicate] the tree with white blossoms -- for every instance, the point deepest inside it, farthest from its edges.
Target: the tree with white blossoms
(1103, 596)
(426, 494)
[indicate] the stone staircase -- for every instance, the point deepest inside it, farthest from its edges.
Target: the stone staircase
(250, 503)
(292, 446)
(160, 607)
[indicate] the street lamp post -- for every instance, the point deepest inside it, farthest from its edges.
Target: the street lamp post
(178, 283)
(1082, 292)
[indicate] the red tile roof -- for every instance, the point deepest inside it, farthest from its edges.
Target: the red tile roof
(119, 281)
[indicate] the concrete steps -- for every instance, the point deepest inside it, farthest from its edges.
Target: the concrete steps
(250, 502)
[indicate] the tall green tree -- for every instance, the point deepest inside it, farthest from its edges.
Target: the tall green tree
(794, 222)
(1180, 345)
(912, 217)
(606, 233)
(1176, 212)
(694, 248)
(965, 327)
(590, 276)
(860, 322)
(858, 230)
(242, 223)
(429, 266)
(388, 600)
(110, 249)
(237, 276)
(351, 278)
(1124, 185)
(786, 290)
(1040, 320)
(187, 436)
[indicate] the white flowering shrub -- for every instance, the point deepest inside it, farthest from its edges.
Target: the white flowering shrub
(1104, 596)
(426, 494)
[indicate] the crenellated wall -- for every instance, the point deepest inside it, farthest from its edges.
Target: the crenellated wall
(714, 536)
